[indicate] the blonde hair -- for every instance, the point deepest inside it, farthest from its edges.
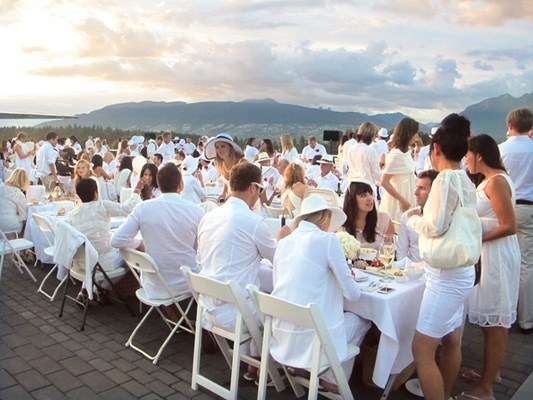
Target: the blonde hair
(286, 142)
(21, 135)
(233, 156)
(318, 218)
(293, 173)
(77, 178)
(19, 178)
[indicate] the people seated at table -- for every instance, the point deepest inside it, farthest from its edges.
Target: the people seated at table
(295, 188)
(494, 300)
(193, 181)
(326, 178)
(312, 149)
(398, 178)
(158, 160)
(98, 168)
(225, 153)
(364, 221)
(123, 177)
(440, 316)
(267, 147)
(209, 173)
(13, 203)
(363, 159)
(281, 167)
(148, 175)
(310, 267)
(93, 218)
(313, 168)
(407, 243)
(82, 170)
(169, 228)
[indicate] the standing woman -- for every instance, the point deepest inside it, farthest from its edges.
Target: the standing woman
(398, 178)
(440, 318)
(494, 300)
(288, 151)
(22, 155)
(226, 154)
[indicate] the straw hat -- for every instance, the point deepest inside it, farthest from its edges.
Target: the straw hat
(315, 203)
(210, 150)
(326, 159)
(263, 156)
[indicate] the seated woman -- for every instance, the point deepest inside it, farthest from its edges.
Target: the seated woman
(310, 267)
(148, 177)
(364, 221)
(193, 181)
(13, 204)
(82, 170)
(295, 188)
(93, 218)
(123, 177)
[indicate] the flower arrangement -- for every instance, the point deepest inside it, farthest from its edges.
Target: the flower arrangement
(350, 245)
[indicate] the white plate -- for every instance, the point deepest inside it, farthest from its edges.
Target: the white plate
(413, 386)
(361, 278)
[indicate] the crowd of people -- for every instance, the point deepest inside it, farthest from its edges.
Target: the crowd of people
(389, 184)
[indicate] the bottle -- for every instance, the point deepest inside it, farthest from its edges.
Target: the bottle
(339, 191)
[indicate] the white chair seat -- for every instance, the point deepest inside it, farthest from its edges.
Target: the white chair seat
(141, 295)
(14, 246)
(20, 244)
(49, 251)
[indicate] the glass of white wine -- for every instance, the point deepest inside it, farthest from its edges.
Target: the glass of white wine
(386, 254)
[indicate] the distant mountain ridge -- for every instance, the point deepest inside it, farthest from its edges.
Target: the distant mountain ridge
(268, 118)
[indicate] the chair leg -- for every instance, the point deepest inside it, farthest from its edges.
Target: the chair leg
(197, 349)
(64, 296)
(41, 286)
(23, 265)
(120, 298)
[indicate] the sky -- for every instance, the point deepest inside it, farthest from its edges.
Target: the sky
(424, 58)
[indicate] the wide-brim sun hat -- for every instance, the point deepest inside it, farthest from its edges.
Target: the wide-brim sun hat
(316, 203)
(326, 159)
(383, 133)
(136, 140)
(210, 150)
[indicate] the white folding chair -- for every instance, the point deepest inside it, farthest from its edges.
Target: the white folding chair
(273, 212)
(231, 293)
(329, 195)
(309, 317)
(13, 247)
(142, 263)
(47, 229)
(208, 206)
(77, 271)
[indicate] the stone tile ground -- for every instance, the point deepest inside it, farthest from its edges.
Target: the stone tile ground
(43, 356)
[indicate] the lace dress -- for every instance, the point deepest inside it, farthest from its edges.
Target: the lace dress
(493, 301)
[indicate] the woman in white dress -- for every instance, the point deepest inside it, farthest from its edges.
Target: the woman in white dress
(294, 188)
(13, 203)
(310, 267)
(288, 151)
(398, 179)
(494, 300)
(440, 317)
(23, 156)
(364, 221)
(193, 181)
(123, 176)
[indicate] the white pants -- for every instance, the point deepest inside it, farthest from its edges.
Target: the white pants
(524, 221)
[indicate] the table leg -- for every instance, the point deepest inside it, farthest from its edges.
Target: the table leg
(388, 387)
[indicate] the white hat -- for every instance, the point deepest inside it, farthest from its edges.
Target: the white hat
(359, 178)
(383, 133)
(177, 163)
(204, 157)
(136, 140)
(315, 203)
(210, 150)
(182, 141)
(263, 156)
(433, 131)
(190, 163)
(326, 159)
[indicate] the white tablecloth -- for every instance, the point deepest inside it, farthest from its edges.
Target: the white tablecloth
(395, 314)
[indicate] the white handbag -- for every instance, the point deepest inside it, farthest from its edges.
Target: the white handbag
(460, 246)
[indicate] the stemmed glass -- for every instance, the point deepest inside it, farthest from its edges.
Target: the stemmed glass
(386, 254)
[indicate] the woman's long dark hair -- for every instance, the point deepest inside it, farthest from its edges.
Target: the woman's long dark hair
(126, 163)
(486, 147)
(153, 170)
(270, 147)
(351, 210)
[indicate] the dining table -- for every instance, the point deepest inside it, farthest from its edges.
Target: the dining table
(395, 314)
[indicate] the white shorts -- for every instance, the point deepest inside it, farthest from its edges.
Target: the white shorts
(442, 308)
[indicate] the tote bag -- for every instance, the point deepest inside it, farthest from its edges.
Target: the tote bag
(460, 246)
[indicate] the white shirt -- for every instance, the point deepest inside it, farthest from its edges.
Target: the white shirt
(46, 155)
(210, 173)
(407, 243)
(363, 159)
(330, 181)
(517, 155)
(188, 148)
(310, 267)
(169, 227)
(89, 144)
(310, 153)
(291, 156)
(311, 171)
(250, 152)
(77, 148)
(151, 149)
(346, 148)
(192, 190)
(167, 151)
(232, 240)
(380, 146)
(424, 160)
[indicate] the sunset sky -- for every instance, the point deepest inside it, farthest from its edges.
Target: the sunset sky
(421, 57)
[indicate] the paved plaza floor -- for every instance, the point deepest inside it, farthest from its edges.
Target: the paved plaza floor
(43, 356)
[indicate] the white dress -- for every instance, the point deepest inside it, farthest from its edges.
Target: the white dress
(23, 162)
(402, 168)
(493, 301)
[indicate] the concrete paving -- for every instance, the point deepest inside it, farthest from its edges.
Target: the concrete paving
(43, 356)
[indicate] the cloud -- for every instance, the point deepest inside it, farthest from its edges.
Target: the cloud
(521, 56)
(483, 66)
(493, 12)
(401, 73)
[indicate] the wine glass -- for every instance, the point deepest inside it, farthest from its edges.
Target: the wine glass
(386, 254)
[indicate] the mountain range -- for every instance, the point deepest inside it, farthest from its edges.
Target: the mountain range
(268, 118)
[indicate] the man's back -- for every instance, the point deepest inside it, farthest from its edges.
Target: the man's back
(517, 156)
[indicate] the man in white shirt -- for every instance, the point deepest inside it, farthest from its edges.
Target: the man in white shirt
(407, 244)
(380, 144)
(188, 146)
(167, 148)
(346, 149)
(363, 160)
(424, 161)
(158, 160)
(232, 241)
(169, 228)
(517, 156)
(312, 149)
(270, 174)
(46, 158)
(209, 172)
(325, 179)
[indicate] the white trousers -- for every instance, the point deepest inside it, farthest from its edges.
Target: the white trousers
(524, 221)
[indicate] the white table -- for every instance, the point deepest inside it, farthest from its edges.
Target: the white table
(395, 314)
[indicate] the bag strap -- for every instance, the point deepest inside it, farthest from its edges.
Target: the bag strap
(459, 190)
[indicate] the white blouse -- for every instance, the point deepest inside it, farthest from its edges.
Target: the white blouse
(13, 208)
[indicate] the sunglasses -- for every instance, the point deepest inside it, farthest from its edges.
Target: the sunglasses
(259, 186)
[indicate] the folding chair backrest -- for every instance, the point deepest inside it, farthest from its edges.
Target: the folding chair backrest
(273, 212)
(45, 226)
(203, 285)
(329, 195)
